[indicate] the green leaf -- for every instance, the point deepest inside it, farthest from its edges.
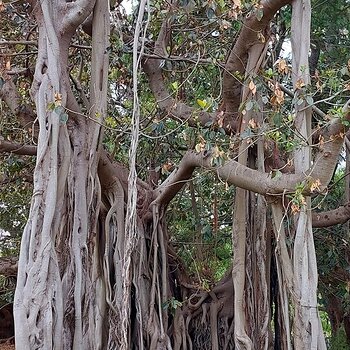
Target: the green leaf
(249, 105)
(202, 103)
(63, 118)
(51, 106)
(259, 14)
(344, 71)
(175, 85)
(309, 100)
(276, 174)
(59, 110)
(265, 100)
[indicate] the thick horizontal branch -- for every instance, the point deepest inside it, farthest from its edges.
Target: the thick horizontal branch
(17, 148)
(232, 172)
(331, 217)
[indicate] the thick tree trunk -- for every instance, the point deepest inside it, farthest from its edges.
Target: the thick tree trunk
(58, 295)
(307, 325)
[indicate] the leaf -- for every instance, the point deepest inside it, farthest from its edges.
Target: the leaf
(225, 24)
(202, 103)
(265, 99)
(278, 97)
(295, 208)
(51, 106)
(63, 118)
(259, 14)
(309, 100)
(175, 85)
(252, 87)
(315, 185)
(237, 3)
(261, 37)
(276, 174)
(300, 101)
(344, 71)
(249, 105)
(199, 147)
(252, 123)
(282, 66)
(58, 109)
(299, 84)
(58, 99)
(210, 13)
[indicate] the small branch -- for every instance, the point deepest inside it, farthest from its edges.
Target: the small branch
(194, 60)
(314, 108)
(18, 42)
(26, 53)
(35, 43)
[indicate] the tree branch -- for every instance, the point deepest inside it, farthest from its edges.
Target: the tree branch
(17, 148)
(331, 217)
(232, 172)
(77, 12)
(251, 33)
(174, 108)
(8, 266)
(12, 98)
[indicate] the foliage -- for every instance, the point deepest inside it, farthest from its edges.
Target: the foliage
(338, 341)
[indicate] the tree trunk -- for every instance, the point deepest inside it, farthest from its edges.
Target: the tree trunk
(59, 293)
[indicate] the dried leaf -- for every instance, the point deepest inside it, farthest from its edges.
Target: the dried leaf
(237, 3)
(252, 123)
(315, 185)
(299, 84)
(321, 140)
(261, 37)
(252, 87)
(295, 208)
(58, 99)
(282, 66)
(278, 97)
(220, 119)
(225, 24)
